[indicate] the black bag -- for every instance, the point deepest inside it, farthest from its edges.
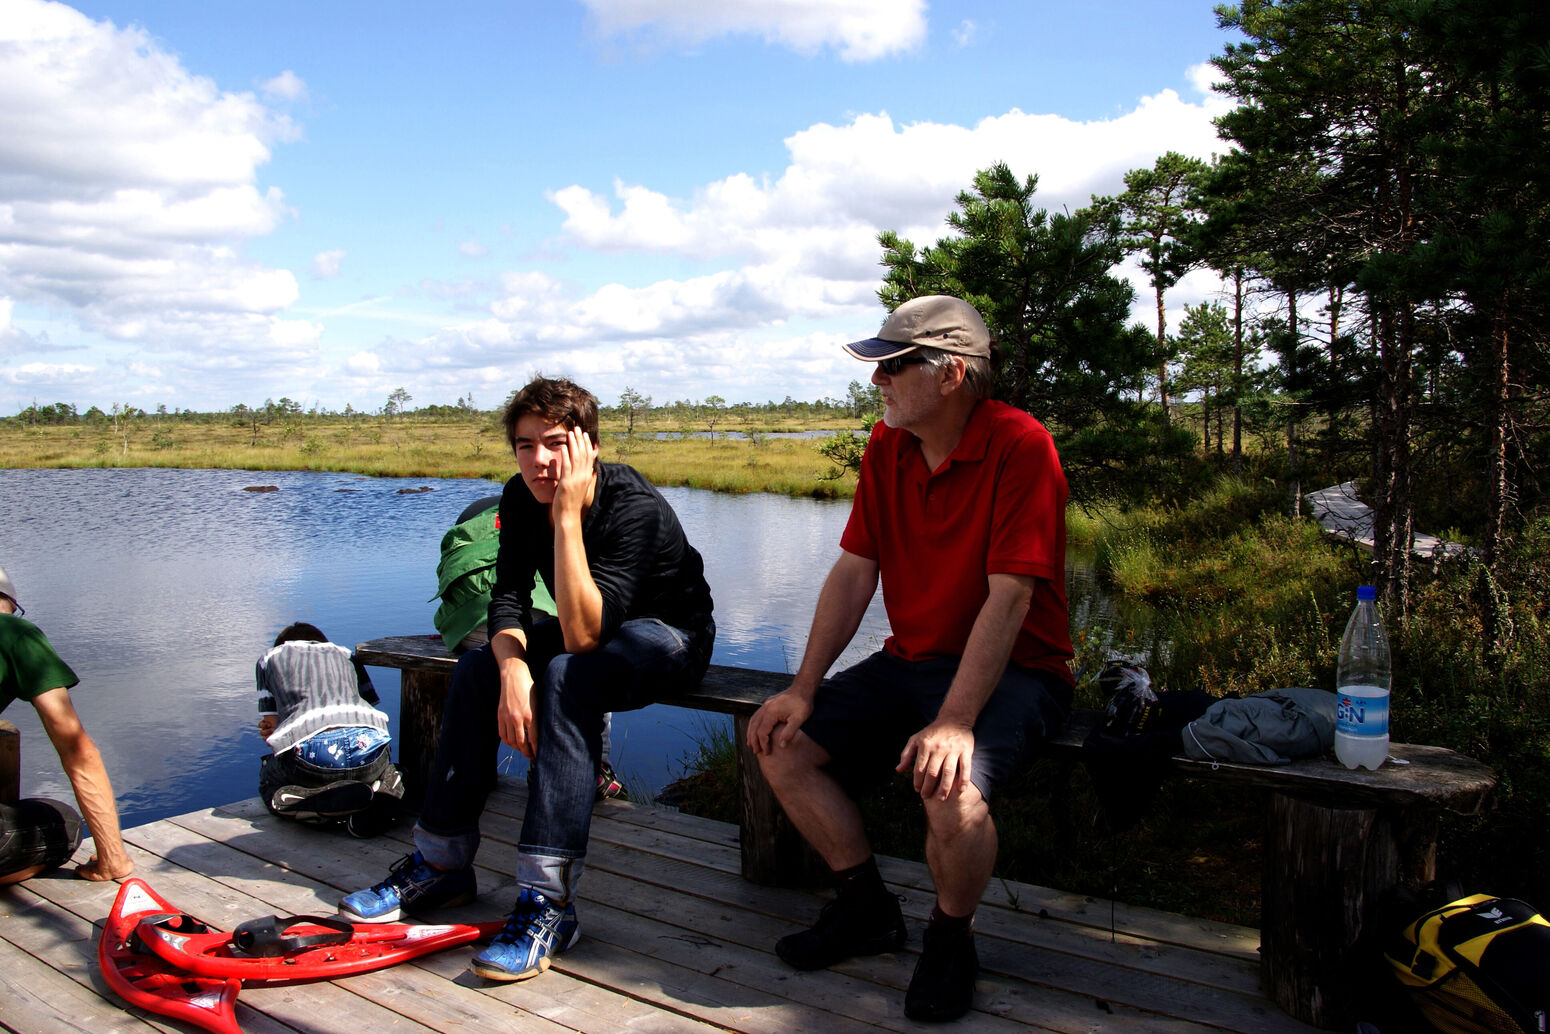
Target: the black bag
(1127, 754)
(1475, 964)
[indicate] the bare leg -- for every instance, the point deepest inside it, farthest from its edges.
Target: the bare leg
(961, 844)
(815, 803)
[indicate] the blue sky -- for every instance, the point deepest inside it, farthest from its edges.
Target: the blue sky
(205, 204)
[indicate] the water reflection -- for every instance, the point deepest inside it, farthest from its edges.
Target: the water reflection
(162, 587)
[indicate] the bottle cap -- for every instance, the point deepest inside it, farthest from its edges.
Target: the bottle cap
(1366, 592)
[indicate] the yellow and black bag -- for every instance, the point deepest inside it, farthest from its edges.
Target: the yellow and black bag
(1477, 964)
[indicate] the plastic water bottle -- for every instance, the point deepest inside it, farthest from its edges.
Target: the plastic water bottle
(1362, 687)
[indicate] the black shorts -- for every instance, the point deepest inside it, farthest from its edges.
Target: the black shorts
(863, 716)
(37, 831)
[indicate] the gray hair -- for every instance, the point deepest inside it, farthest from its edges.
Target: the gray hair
(979, 376)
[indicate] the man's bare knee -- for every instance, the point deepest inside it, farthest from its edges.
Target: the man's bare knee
(797, 759)
(963, 813)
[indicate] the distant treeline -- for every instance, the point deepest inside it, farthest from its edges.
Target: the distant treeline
(633, 408)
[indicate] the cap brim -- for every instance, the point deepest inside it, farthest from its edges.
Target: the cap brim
(875, 348)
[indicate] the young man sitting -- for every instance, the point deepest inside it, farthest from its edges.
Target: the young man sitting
(632, 621)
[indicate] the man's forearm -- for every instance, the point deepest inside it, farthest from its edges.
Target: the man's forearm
(578, 603)
(842, 603)
(94, 793)
(989, 648)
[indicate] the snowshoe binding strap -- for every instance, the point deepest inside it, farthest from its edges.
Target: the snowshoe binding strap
(266, 937)
(177, 922)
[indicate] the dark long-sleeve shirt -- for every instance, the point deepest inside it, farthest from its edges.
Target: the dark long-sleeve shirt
(637, 552)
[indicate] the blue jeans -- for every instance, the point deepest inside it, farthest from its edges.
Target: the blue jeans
(571, 693)
(342, 747)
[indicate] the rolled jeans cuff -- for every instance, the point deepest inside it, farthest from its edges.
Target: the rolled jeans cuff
(443, 851)
(553, 876)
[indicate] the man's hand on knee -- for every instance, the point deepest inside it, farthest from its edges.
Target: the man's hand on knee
(777, 721)
(941, 756)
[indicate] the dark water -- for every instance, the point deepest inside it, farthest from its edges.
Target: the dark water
(162, 587)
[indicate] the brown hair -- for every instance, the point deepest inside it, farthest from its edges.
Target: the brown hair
(556, 399)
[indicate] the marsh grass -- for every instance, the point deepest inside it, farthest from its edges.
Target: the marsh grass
(751, 462)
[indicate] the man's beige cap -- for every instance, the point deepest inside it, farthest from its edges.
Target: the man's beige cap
(934, 321)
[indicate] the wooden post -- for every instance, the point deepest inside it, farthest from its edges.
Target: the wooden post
(10, 763)
(421, 697)
(774, 853)
(1325, 871)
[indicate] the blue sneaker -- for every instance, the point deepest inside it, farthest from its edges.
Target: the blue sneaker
(535, 933)
(412, 885)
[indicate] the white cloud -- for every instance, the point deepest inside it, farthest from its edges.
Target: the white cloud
(797, 252)
(844, 183)
(326, 264)
(363, 364)
(471, 248)
(964, 34)
(860, 30)
(287, 86)
(13, 340)
(128, 185)
(38, 376)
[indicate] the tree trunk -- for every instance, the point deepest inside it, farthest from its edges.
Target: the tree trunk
(1162, 348)
(1237, 371)
(1294, 507)
(1499, 496)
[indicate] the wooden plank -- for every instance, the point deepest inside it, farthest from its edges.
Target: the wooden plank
(698, 849)
(597, 1011)
(1077, 957)
(673, 941)
(41, 1000)
(312, 1006)
(65, 920)
(678, 919)
(426, 994)
(1128, 979)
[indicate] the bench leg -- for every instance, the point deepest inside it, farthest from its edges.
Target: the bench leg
(10, 763)
(422, 696)
(774, 853)
(1326, 869)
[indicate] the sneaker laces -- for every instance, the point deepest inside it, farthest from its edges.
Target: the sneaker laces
(530, 907)
(401, 875)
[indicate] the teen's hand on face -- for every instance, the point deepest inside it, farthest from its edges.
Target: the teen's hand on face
(575, 475)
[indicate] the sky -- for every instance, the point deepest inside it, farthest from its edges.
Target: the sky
(211, 204)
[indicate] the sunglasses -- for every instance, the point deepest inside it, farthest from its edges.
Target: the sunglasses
(892, 365)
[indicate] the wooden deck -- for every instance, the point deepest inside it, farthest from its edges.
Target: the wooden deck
(673, 940)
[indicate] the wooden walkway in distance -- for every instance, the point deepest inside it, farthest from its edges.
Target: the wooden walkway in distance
(1341, 514)
(674, 941)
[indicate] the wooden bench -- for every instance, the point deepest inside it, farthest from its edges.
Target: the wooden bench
(1336, 840)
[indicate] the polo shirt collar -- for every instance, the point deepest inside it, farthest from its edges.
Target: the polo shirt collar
(972, 445)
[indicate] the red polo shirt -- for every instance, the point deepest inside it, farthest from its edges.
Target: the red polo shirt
(996, 506)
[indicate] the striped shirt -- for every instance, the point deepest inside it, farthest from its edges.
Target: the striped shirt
(310, 687)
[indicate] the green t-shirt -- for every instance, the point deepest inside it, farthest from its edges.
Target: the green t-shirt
(28, 664)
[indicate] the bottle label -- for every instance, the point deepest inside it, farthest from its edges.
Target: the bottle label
(1359, 715)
